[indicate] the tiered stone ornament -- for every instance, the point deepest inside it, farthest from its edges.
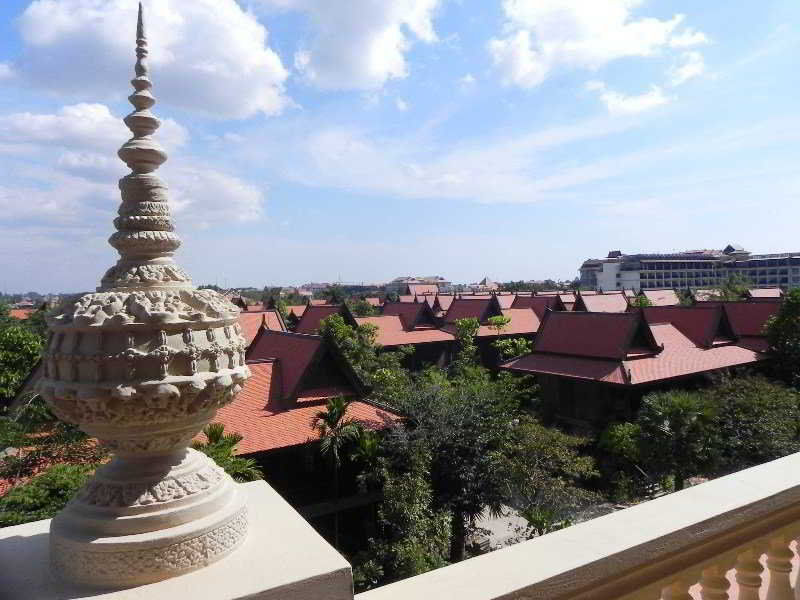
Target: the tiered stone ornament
(142, 365)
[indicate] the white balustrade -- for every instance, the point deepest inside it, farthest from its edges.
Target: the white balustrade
(728, 539)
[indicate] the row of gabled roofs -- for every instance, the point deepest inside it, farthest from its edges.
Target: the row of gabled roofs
(648, 345)
(293, 374)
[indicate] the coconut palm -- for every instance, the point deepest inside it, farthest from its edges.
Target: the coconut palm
(220, 447)
(335, 430)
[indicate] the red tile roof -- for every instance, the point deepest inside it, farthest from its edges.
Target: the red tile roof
(251, 322)
(314, 315)
(295, 352)
(296, 309)
(596, 335)
(523, 321)
(266, 425)
(662, 297)
(21, 313)
(480, 308)
(701, 324)
(765, 292)
(539, 304)
(373, 301)
(319, 302)
(749, 318)
(567, 297)
(505, 300)
(406, 298)
(391, 332)
(610, 303)
(680, 357)
(443, 302)
(422, 288)
(410, 314)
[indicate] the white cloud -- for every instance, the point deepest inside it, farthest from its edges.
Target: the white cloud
(401, 104)
(467, 80)
(542, 35)
(6, 72)
(360, 44)
(509, 170)
(65, 180)
(517, 61)
(84, 125)
(692, 66)
(688, 38)
(621, 104)
(205, 55)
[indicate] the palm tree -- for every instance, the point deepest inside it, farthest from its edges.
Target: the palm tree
(335, 430)
(220, 447)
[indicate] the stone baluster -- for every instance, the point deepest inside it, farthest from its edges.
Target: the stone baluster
(748, 575)
(713, 584)
(779, 563)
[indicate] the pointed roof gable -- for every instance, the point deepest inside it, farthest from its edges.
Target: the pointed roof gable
(662, 297)
(747, 319)
(608, 303)
(411, 315)
(266, 424)
(314, 315)
(505, 300)
(481, 308)
(703, 325)
(595, 335)
(420, 289)
(442, 302)
(304, 362)
(251, 322)
(539, 304)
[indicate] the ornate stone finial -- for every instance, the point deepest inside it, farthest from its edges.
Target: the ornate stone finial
(145, 235)
(142, 365)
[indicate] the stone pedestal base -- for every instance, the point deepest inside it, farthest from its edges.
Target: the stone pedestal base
(282, 558)
(142, 520)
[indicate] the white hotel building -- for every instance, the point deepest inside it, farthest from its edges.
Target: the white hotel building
(690, 269)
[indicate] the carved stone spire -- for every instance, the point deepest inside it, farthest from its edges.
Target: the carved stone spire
(145, 235)
(142, 365)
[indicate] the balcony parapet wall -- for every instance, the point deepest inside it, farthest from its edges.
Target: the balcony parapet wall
(662, 549)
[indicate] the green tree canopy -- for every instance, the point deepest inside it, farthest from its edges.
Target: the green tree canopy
(20, 348)
(783, 335)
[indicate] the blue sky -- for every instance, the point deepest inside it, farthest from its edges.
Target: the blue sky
(312, 140)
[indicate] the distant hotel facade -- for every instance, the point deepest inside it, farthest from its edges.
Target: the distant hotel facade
(690, 269)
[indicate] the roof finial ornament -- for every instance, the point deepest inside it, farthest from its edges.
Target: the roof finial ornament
(150, 361)
(145, 235)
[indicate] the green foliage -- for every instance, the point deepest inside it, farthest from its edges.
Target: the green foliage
(499, 323)
(783, 335)
(733, 289)
(43, 439)
(467, 352)
(676, 434)
(546, 471)
(335, 429)
(44, 495)
(381, 371)
(512, 347)
(755, 420)
(362, 308)
(640, 301)
(20, 348)
(413, 536)
(334, 294)
(220, 447)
